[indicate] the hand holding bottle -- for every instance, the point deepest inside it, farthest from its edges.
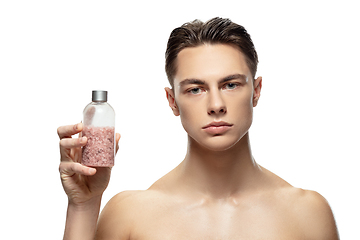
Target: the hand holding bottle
(81, 183)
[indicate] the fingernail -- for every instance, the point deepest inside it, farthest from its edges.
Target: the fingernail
(82, 140)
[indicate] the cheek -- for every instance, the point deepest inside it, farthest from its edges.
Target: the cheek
(247, 105)
(242, 109)
(188, 114)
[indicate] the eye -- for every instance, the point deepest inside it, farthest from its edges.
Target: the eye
(231, 85)
(194, 90)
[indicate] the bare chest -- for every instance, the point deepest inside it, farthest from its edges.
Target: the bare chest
(220, 222)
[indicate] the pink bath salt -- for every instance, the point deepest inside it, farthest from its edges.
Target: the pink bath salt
(99, 149)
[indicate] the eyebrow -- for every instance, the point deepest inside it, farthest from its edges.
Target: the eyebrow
(223, 80)
(234, 76)
(192, 81)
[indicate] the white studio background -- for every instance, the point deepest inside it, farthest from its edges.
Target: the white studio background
(53, 53)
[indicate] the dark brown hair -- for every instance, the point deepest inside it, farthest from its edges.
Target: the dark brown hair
(214, 31)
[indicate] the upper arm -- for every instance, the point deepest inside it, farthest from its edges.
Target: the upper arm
(115, 219)
(316, 218)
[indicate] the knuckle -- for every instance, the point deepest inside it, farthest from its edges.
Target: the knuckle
(58, 131)
(62, 143)
(60, 167)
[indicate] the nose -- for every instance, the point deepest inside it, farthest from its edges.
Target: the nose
(216, 104)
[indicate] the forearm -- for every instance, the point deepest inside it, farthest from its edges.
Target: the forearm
(81, 221)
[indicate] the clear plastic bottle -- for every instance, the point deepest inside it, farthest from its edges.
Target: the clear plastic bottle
(99, 128)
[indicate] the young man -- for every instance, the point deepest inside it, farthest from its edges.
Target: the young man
(218, 191)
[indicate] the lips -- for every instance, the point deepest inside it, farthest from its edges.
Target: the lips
(217, 128)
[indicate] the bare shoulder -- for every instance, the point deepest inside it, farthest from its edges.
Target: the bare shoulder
(314, 214)
(308, 210)
(123, 212)
(113, 221)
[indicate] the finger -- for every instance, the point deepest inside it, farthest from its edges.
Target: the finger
(73, 142)
(117, 138)
(71, 168)
(68, 131)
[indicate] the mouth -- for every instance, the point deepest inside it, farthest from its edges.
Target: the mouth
(218, 124)
(217, 128)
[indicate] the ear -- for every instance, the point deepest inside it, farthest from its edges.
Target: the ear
(257, 90)
(171, 99)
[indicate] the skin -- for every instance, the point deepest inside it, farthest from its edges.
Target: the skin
(218, 191)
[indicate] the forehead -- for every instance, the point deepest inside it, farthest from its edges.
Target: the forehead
(210, 62)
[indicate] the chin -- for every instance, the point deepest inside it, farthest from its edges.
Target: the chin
(221, 146)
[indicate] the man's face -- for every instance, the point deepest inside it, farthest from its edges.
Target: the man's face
(214, 95)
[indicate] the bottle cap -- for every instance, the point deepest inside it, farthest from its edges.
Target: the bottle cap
(99, 96)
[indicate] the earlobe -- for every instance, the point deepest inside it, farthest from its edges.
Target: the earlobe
(171, 99)
(257, 90)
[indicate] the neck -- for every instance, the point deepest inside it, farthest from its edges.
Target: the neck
(219, 174)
